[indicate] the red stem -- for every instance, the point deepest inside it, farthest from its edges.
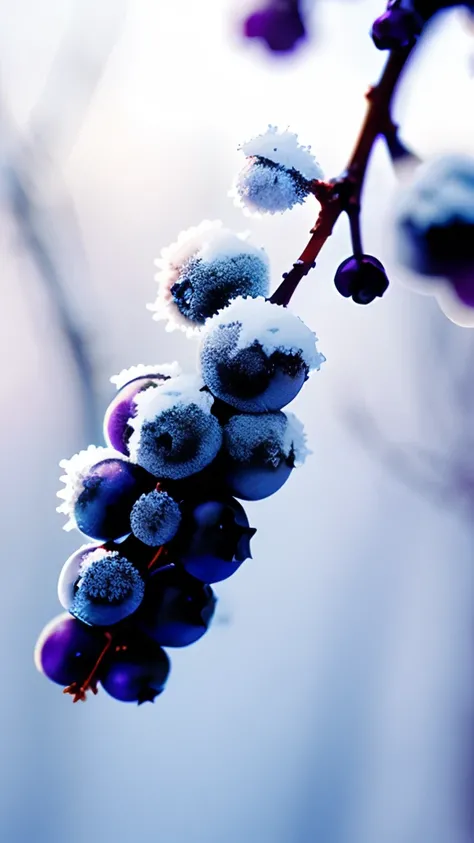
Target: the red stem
(344, 194)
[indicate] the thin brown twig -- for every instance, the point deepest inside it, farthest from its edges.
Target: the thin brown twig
(344, 193)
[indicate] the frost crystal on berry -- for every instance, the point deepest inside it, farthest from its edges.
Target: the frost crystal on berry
(277, 173)
(167, 370)
(274, 436)
(256, 355)
(174, 433)
(275, 328)
(155, 518)
(76, 469)
(203, 271)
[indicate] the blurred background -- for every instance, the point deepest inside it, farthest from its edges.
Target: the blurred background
(332, 700)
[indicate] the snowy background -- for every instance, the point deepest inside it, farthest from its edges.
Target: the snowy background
(332, 701)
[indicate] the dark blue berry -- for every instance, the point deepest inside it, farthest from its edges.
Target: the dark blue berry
(177, 608)
(213, 540)
(397, 28)
(136, 671)
(361, 278)
(109, 490)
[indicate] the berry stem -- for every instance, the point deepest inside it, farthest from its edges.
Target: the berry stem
(79, 692)
(341, 194)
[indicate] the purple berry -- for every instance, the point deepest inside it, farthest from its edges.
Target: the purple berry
(259, 453)
(214, 539)
(177, 608)
(66, 650)
(279, 25)
(396, 29)
(100, 587)
(109, 491)
(362, 278)
(122, 408)
(135, 672)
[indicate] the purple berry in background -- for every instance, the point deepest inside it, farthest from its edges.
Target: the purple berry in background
(260, 452)
(67, 651)
(155, 518)
(214, 539)
(177, 609)
(256, 356)
(435, 221)
(100, 587)
(397, 28)
(279, 24)
(361, 278)
(463, 286)
(122, 408)
(136, 671)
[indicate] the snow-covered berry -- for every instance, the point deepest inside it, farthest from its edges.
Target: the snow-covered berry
(121, 409)
(101, 487)
(203, 271)
(174, 432)
(256, 355)
(260, 452)
(277, 173)
(100, 587)
(155, 518)
(435, 219)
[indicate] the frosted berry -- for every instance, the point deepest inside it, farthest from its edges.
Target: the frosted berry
(260, 452)
(256, 356)
(100, 587)
(175, 434)
(155, 518)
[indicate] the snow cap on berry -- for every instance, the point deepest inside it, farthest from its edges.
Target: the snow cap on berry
(108, 589)
(174, 433)
(168, 370)
(435, 217)
(202, 271)
(277, 173)
(281, 435)
(273, 327)
(76, 469)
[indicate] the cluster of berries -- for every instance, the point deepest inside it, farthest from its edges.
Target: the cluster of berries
(159, 500)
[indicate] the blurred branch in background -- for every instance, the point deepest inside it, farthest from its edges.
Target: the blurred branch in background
(35, 193)
(444, 474)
